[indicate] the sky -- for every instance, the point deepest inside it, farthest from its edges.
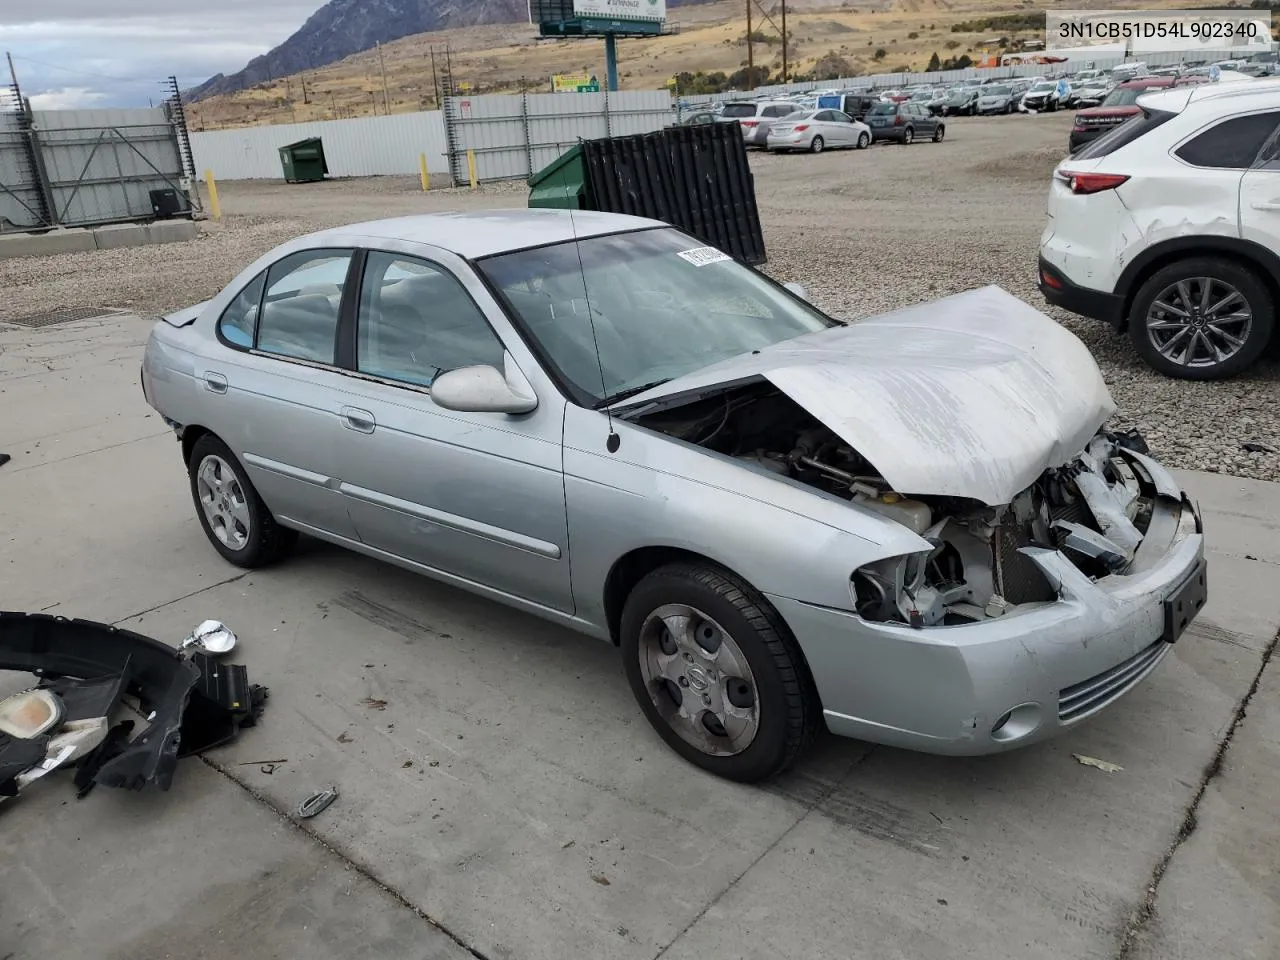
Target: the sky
(71, 53)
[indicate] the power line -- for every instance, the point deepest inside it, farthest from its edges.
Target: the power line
(86, 73)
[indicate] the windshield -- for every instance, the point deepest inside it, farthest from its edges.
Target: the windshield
(1044, 86)
(998, 92)
(738, 110)
(661, 305)
(1124, 96)
(922, 95)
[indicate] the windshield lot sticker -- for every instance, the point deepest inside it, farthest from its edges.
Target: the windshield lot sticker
(701, 256)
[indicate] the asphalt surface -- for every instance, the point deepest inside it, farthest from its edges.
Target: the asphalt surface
(502, 797)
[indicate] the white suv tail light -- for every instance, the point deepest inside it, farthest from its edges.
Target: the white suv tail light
(1086, 183)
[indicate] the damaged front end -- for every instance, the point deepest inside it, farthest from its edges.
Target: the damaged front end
(85, 672)
(984, 562)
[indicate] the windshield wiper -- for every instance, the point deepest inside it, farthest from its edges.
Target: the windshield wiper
(629, 392)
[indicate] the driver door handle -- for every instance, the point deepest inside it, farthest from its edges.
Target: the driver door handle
(1267, 205)
(362, 421)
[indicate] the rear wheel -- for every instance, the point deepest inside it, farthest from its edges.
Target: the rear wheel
(716, 672)
(864, 141)
(816, 144)
(1203, 318)
(907, 136)
(233, 516)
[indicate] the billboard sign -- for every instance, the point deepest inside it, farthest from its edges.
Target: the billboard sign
(574, 83)
(621, 9)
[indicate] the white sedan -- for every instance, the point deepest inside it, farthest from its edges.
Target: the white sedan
(817, 130)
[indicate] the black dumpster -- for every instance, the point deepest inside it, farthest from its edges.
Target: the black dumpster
(304, 162)
(695, 178)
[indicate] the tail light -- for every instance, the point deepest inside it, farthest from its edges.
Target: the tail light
(751, 123)
(898, 121)
(801, 126)
(1085, 183)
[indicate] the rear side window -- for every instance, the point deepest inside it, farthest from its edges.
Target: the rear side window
(1126, 133)
(300, 309)
(239, 321)
(1232, 144)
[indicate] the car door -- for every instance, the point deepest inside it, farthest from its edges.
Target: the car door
(271, 390)
(479, 496)
(1260, 186)
(924, 123)
(847, 127)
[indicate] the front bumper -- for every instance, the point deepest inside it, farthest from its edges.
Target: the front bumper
(1060, 291)
(944, 690)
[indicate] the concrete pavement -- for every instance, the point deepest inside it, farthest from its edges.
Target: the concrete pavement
(510, 800)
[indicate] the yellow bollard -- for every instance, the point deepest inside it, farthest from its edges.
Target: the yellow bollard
(215, 209)
(422, 168)
(471, 167)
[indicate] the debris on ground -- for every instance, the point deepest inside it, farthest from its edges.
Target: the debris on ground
(4, 458)
(86, 671)
(373, 703)
(1104, 765)
(317, 802)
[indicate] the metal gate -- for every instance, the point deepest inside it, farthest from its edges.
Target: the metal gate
(80, 168)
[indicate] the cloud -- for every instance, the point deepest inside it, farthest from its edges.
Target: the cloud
(68, 98)
(69, 50)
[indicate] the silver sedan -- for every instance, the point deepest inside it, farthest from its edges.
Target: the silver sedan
(817, 130)
(911, 528)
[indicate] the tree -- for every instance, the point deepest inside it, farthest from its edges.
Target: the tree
(952, 44)
(912, 35)
(880, 53)
(934, 64)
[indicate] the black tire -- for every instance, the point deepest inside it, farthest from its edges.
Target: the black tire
(816, 145)
(1009, 108)
(864, 141)
(1245, 281)
(907, 136)
(789, 709)
(266, 541)
(939, 132)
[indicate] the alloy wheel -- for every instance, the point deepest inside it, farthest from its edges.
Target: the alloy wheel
(699, 680)
(224, 503)
(1199, 322)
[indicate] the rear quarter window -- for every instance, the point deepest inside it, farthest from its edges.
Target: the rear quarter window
(1231, 144)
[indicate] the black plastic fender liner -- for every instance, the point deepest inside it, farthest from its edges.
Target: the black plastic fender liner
(54, 647)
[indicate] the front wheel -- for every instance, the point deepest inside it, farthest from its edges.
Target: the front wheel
(233, 516)
(907, 136)
(939, 133)
(816, 145)
(1203, 318)
(717, 673)
(864, 141)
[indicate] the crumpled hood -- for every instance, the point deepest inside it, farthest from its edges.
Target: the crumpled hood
(974, 395)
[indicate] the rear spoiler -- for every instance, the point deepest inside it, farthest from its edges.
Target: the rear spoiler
(186, 316)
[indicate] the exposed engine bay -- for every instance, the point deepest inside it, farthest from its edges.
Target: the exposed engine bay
(1095, 510)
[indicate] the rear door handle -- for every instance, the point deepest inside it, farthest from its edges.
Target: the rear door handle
(360, 420)
(215, 382)
(1267, 205)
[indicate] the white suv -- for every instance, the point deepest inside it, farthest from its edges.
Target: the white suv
(1169, 224)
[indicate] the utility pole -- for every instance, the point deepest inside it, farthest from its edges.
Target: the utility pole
(435, 81)
(333, 104)
(784, 40)
(305, 98)
(13, 74)
(386, 97)
(751, 57)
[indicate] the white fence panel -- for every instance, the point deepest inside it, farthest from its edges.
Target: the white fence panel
(513, 137)
(359, 147)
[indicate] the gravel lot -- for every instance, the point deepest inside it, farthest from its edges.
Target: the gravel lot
(864, 231)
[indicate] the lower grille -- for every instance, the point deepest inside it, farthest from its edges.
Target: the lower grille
(1089, 696)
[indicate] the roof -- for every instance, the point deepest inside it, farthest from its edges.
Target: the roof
(485, 232)
(1225, 95)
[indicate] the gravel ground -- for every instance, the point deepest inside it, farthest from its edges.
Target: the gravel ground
(865, 231)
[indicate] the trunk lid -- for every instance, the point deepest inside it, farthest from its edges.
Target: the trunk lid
(186, 316)
(971, 396)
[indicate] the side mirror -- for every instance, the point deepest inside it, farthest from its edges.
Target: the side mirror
(798, 290)
(484, 389)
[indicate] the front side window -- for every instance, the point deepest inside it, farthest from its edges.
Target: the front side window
(299, 316)
(613, 314)
(1232, 144)
(239, 321)
(416, 321)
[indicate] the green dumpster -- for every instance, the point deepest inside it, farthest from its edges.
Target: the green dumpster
(303, 161)
(562, 183)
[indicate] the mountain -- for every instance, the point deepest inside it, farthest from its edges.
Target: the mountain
(343, 27)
